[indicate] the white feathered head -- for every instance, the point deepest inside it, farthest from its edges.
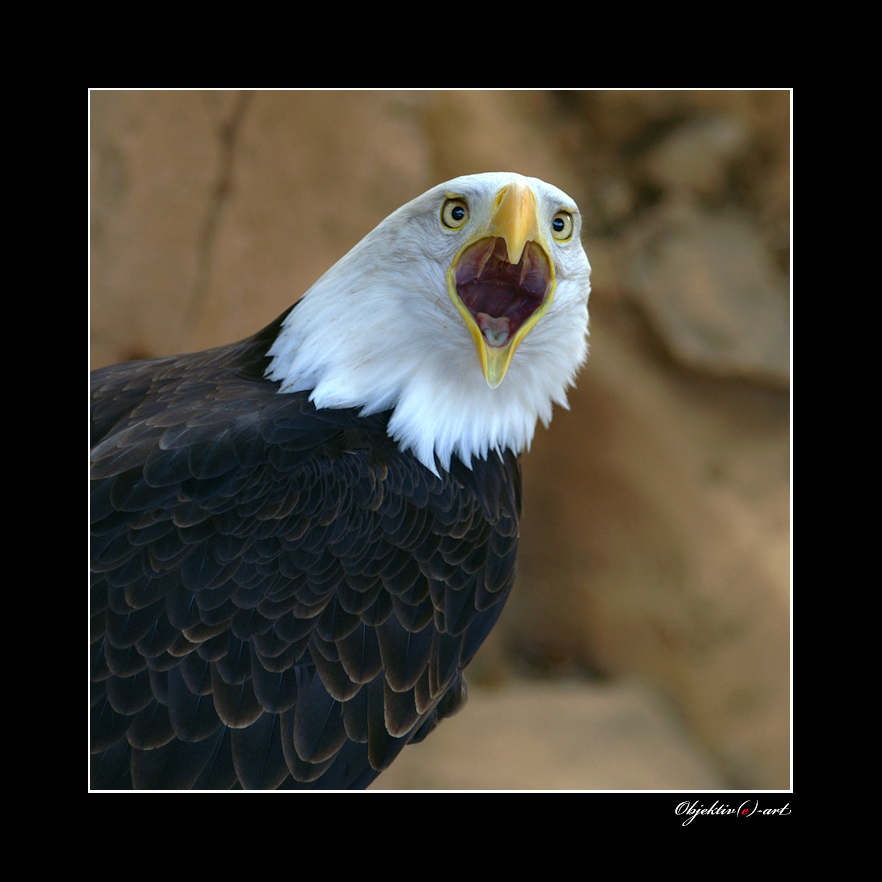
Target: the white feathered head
(465, 312)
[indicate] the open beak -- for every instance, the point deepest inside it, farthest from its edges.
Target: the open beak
(503, 281)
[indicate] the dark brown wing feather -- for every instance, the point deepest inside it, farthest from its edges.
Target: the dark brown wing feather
(280, 597)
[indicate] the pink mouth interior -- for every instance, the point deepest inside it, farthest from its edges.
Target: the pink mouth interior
(500, 295)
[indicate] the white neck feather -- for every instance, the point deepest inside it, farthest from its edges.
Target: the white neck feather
(379, 332)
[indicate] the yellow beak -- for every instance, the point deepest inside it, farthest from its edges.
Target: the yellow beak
(514, 220)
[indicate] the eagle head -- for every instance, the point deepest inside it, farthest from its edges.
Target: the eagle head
(464, 313)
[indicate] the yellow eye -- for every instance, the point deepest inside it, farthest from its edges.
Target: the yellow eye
(562, 226)
(454, 213)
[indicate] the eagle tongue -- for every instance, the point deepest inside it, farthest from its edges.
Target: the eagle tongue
(496, 331)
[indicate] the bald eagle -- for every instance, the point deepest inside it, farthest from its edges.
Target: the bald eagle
(299, 541)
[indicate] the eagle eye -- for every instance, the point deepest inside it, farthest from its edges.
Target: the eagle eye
(562, 226)
(454, 213)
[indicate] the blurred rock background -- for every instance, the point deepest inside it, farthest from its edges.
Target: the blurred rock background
(647, 644)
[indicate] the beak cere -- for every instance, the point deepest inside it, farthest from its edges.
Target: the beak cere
(503, 282)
